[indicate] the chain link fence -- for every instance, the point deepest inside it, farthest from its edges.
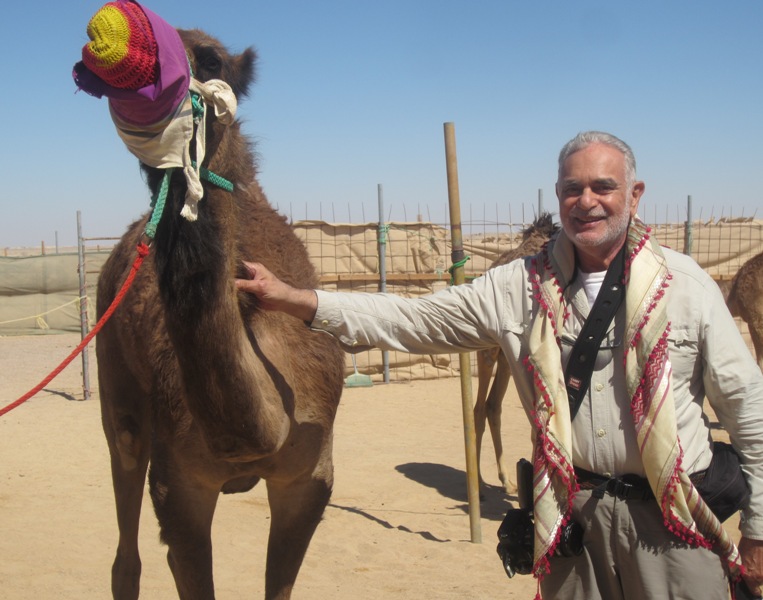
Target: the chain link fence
(41, 293)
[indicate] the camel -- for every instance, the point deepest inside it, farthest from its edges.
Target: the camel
(745, 300)
(196, 381)
(490, 398)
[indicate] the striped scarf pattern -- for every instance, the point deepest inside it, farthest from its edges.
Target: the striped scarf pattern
(648, 382)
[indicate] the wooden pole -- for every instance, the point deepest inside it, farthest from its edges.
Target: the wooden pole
(457, 256)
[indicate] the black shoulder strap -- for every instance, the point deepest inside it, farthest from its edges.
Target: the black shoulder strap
(577, 375)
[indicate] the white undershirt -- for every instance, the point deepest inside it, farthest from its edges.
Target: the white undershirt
(591, 284)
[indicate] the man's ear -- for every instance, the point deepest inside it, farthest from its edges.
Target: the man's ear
(636, 193)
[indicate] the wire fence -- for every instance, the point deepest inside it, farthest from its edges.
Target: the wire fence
(417, 259)
(412, 258)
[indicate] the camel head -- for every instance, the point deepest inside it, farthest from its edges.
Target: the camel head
(543, 226)
(211, 60)
(156, 78)
(228, 153)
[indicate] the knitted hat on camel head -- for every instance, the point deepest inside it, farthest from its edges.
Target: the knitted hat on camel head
(137, 60)
(123, 48)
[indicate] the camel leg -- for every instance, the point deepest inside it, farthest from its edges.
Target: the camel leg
(485, 363)
(493, 408)
(185, 510)
(128, 494)
(296, 509)
(126, 425)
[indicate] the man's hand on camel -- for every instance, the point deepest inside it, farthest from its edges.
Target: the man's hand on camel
(274, 294)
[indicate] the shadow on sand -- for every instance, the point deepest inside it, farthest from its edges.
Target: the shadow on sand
(451, 483)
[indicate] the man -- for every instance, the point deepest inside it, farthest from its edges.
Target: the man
(671, 344)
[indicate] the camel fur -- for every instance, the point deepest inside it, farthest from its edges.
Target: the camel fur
(745, 300)
(488, 404)
(200, 383)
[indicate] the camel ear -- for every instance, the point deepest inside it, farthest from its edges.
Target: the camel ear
(245, 72)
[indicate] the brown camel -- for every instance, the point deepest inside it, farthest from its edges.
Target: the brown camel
(197, 381)
(745, 300)
(488, 404)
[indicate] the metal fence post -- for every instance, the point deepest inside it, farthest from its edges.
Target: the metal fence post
(383, 268)
(688, 231)
(84, 327)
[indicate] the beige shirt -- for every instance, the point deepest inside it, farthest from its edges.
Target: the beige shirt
(709, 359)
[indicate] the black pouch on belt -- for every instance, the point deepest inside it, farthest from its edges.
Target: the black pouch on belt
(723, 485)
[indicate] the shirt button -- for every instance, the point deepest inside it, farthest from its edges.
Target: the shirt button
(599, 387)
(601, 433)
(325, 323)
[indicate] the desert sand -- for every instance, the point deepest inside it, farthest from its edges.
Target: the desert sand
(397, 525)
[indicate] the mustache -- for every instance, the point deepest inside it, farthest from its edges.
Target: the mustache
(594, 213)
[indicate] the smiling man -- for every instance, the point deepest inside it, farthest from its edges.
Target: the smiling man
(598, 195)
(614, 344)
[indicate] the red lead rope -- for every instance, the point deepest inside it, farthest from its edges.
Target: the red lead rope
(143, 250)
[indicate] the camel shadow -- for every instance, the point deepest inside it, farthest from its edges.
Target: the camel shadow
(386, 524)
(451, 483)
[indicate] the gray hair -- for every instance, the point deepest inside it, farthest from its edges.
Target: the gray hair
(586, 138)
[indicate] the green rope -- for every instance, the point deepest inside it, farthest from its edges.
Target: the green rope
(215, 179)
(158, 201)
(456, 265)
(197, 104)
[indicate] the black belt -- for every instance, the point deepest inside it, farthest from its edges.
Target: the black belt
(625, 487)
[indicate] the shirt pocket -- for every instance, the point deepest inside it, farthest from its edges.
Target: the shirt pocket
(683, 349)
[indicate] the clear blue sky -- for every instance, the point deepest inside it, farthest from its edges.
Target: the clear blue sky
(351, 94)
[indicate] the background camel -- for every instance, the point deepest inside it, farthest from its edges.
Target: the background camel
(488, 403)
(745, 300)
(197, 381)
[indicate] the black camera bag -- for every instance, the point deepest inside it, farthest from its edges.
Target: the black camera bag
(723, 486)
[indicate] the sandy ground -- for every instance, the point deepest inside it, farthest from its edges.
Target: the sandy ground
(397, 525)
